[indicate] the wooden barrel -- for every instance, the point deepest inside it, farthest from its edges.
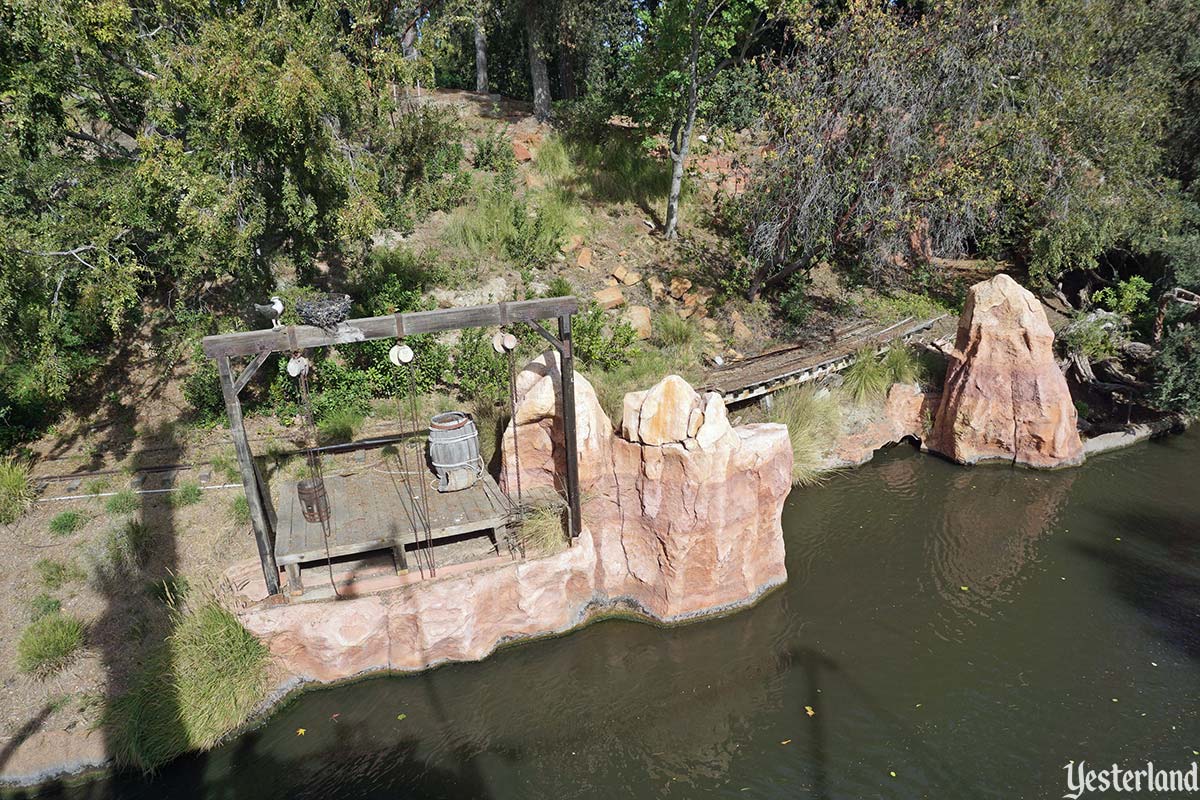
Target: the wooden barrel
(454, 450)
(314, 502)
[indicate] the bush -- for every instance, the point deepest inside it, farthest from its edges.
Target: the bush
(479, 371)
(56, 574)
(494, 152)
(48, 644)
(203, 682)
(811, 415)
(187, 494)
(1096, 335)
(67, 522)
(599, 343)
(16, 490)
(867, 378)
(1177, 370)
(1127, 298)
(202, 388)
(43, 605)
(338, 425)
(123, 502)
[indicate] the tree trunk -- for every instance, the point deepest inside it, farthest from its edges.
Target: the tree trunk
(481, 76)
(566, 74)
(539, 77)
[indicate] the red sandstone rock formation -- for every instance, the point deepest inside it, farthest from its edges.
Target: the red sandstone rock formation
(1004, 395)
(906, 413)
(685, 527)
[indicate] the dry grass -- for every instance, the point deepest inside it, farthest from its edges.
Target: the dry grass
(16, 490)
(542, 532)
(811, 415)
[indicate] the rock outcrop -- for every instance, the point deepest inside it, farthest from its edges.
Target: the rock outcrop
(906, 414)
(682, 527)
(1004, 396)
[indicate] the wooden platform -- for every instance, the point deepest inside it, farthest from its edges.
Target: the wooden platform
(373, 511)
(763, 374)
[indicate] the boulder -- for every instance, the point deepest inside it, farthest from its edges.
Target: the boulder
(1004, 397)
(584, 258)
(664, 413)
(609, 297)
(638, 318)
(679, 286)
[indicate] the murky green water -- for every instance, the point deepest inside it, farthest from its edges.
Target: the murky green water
(970, 630)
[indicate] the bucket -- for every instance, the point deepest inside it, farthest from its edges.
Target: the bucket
(454, 450)
(314, 503)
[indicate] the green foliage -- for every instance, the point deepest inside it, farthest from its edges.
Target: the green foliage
(897, 305)
(339, 425)
(494, 152)
(43, 605)
(600, 342)
(202, 388)
(559, 287)
(1096, 335)
(672, 330)
(526, 232)
(901, 365)
(812, 416)
(553, 161)
(56, 574)
(186, 494)
(67, 522)
(1177, 370)
(1127, 298)
(203, 682)
(16, 489)
(479, 371)
(123, 502)
(867, 378)
(49, 644)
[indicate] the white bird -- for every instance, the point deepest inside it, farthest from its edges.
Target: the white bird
(273, 310)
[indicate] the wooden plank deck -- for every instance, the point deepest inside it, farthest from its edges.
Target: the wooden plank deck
(759, 375)
(373, 511)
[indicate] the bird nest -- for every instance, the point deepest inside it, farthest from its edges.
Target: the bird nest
(324, 312)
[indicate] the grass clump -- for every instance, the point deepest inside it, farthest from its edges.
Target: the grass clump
(867, 377)
(67, 522)
(48, 644)
(56, 574)
(339, 425)
(672, 330)
(123, 502)
(188, 494)
(811, 415)
(553, 161)
(541, 532)
(225, 464)
(901, 365)
(204, 681)
(240, 510)
(43, 605)
(16, 490)
(97, 486)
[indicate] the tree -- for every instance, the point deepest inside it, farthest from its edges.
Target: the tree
(481, 75)
(685, 44)
(539, 76)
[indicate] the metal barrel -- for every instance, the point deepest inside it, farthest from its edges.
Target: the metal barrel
(454, 447)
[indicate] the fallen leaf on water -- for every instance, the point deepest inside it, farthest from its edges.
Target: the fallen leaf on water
(809, 710)
(919, 705)
(335, 717)
(786, 741)
(301, 731)
(964, 588)
(401, 716)
(893, 774)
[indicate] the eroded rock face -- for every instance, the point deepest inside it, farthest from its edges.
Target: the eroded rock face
(906, 414)
(687, 527)
(1004, 396)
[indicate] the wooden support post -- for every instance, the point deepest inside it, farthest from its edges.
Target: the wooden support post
(241, 445)
(568, 399)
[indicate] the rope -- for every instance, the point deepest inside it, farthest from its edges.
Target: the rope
(512, 419)
(423, 512)
(314, 469)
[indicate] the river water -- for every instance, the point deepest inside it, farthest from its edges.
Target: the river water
(946, 632)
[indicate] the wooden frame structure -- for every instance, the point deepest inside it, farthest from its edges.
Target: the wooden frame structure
(260, 344)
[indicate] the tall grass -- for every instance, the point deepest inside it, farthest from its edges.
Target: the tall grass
(48, 644)
(123, 502)
(67, 522)
(200, 684)
(812, 416)
(672, 330)
(867, 378)
(902, 366)
(16, 490)
(339, 425)
(553, 161)
(541, 532)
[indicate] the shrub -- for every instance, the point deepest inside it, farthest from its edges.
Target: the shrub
(43, 605)
(867, 378)
(559, 287)
(479, 371)
(56, 574)
(48, 644)
(16, 489)
(187, 494)
(338, 425)
(202, 388)
(494, 151)
(541, 532)
(123, 502)
(1127, 298)
(67, 522)
(203, 682)
(901, 304)
(599, 343)
(812, 416)
(1177, 370)
(1096, 335)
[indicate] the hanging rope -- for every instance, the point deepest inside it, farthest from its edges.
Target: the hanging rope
(512, 419)
(403, 354)
(315, 470)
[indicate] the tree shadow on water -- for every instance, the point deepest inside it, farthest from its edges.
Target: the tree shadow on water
(1155, 568)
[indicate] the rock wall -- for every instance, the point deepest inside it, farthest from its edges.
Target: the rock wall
(680, 520)
(1004, 396)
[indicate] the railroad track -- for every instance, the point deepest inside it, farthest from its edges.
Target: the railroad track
(763, 374)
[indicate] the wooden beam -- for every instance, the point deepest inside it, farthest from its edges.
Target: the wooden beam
(241, 445)
(275, 340)
(575, 517)
(249, 372)
(548, 336)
